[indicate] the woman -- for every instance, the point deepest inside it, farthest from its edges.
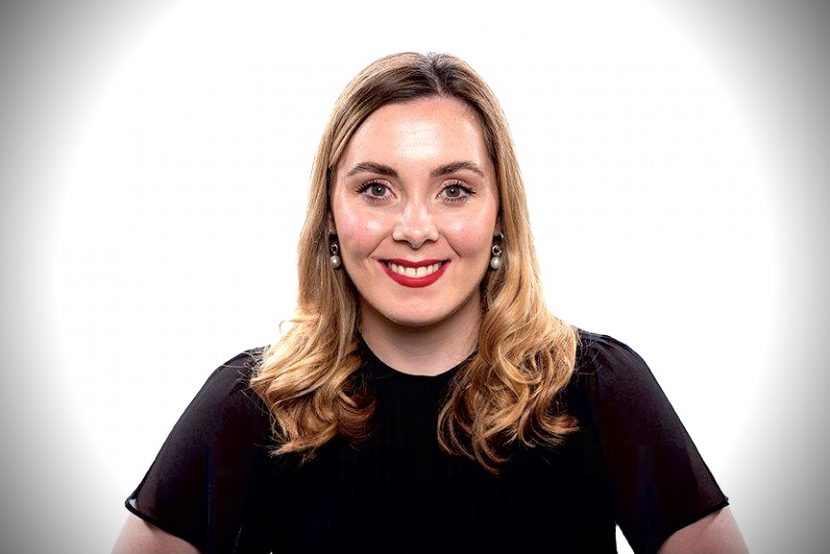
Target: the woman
(424, 398)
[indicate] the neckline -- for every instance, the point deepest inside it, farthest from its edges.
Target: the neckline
(380, 369)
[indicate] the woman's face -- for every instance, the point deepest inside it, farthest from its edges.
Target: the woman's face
(414, 207)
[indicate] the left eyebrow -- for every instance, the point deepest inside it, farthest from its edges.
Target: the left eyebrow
(453, 167)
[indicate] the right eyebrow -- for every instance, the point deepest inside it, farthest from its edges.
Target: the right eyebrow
(372, 167)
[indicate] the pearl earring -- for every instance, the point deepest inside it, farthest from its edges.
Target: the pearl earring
(335, 260)
(495, 261)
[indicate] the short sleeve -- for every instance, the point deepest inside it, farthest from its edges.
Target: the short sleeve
(197, 486)
(660, 482)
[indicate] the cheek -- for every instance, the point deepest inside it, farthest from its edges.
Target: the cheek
(471, 236)
(358, 234)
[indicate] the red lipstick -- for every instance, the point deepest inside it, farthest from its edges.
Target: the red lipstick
(415, 282)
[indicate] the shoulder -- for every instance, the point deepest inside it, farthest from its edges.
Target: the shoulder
(603, 362)
(597, 352)
(225, 413)
(617, 387)
(232, 377)
(225, 401)
(660, 482)
(205, 467)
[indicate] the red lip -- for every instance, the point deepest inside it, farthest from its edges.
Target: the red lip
(414, 282)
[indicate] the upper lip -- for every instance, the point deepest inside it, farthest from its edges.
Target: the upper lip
(410, 263)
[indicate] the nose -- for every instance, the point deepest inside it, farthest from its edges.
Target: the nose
(415, 226)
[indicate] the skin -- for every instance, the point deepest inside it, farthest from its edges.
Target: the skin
(139, 537)
(415, 215)
(717, 532)
(432, 195)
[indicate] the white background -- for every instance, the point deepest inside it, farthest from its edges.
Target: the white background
(155, 162)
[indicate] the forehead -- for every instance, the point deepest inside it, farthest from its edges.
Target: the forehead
(429, 129)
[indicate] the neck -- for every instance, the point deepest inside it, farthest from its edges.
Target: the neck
(422, 350)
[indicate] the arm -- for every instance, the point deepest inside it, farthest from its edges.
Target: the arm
(662, 486)
(716, 532)
(139, 537)
(196, 491)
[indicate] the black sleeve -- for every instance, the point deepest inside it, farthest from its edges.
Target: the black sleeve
(197, 486)
(660, 482)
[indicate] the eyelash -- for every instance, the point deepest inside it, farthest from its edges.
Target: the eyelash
(467, 190)
(366, 186)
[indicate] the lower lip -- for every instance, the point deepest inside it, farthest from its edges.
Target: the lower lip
(415, 282)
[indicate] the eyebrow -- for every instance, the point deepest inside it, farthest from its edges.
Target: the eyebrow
(453, 167)
(441, 170)
(372, 167)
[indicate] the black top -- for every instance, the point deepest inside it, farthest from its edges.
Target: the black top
(631, 463)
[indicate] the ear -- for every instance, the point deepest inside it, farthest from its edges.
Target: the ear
(497, 230)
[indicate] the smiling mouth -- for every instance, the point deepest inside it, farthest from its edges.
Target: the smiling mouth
(414, 274)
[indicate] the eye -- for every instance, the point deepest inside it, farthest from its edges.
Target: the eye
(373, 190)
(377, 190)
(457, 192)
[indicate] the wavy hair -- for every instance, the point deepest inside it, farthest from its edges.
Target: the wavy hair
(508, 393)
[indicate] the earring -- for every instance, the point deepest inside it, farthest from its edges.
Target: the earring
(495, 261)
(335, 260)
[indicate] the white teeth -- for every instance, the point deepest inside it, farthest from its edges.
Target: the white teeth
(414, 272)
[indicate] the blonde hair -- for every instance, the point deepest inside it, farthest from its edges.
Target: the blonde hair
(509, 390)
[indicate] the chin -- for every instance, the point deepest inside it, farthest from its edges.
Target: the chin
(423, 313)
(415, 320)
